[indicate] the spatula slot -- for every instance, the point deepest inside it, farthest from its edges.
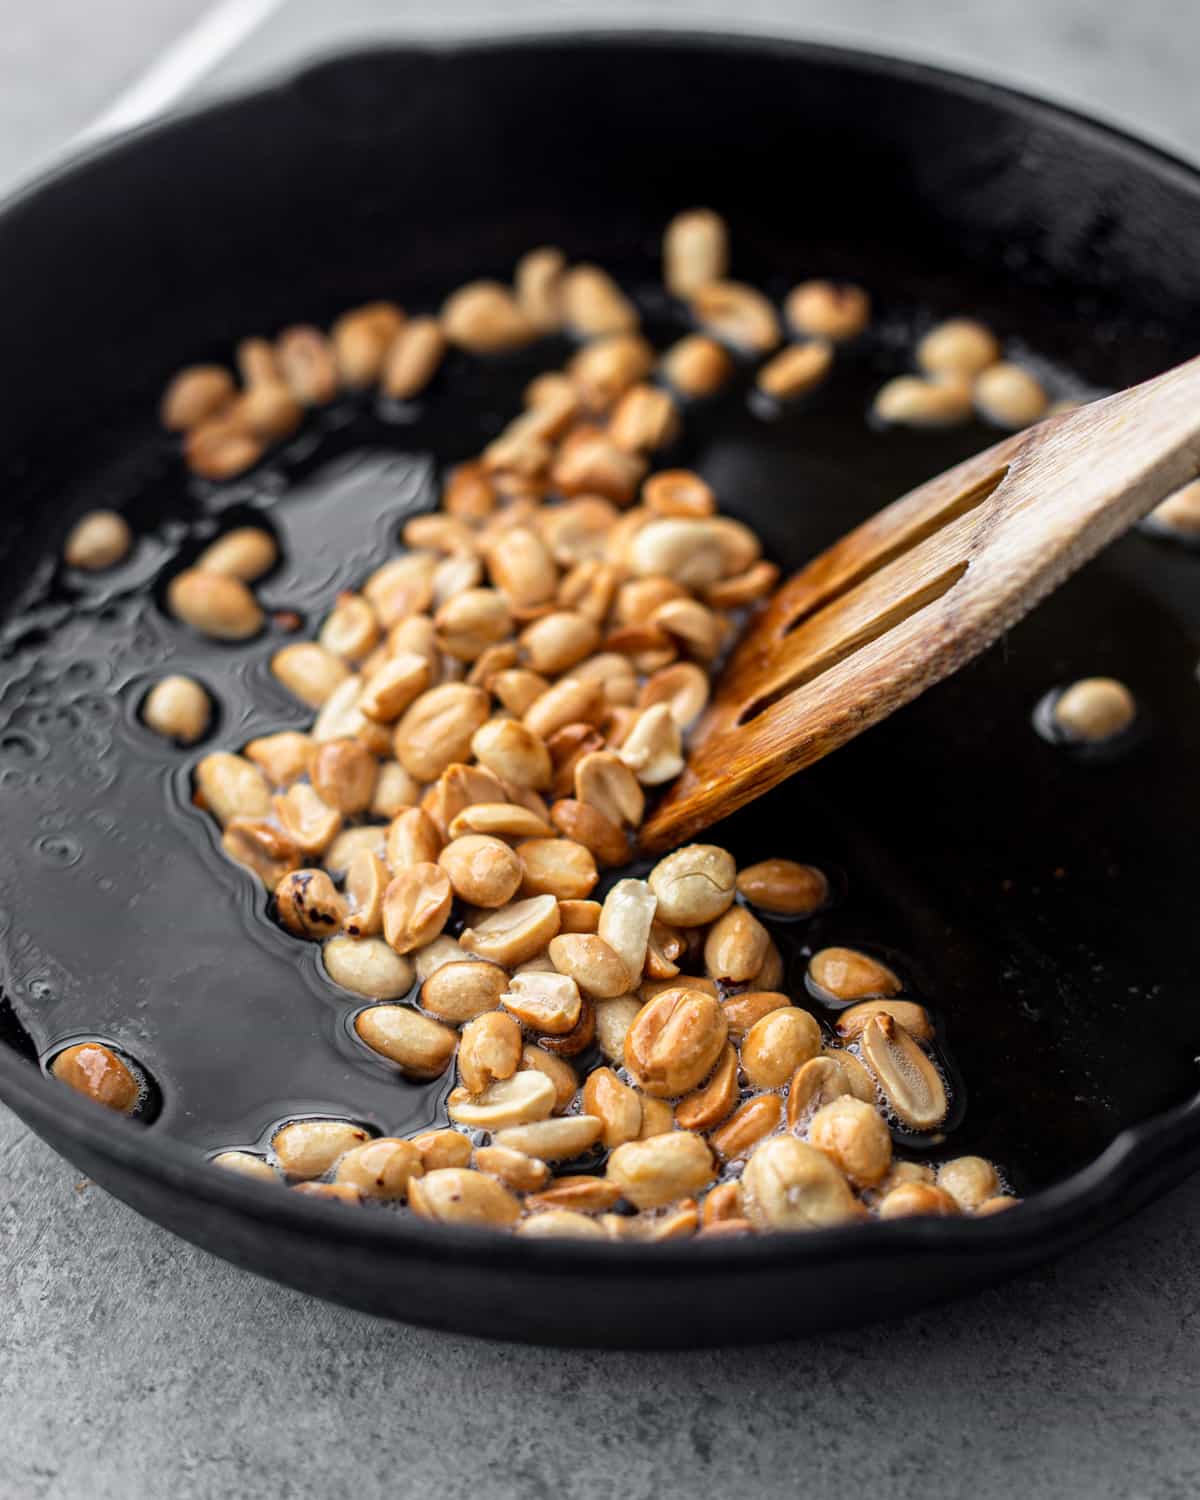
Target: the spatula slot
(840, 649)
(962, 504)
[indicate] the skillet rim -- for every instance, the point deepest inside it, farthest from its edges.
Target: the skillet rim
(1053, 1216)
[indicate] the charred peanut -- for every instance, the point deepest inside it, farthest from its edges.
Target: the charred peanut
(694, 885)
(970, 1181)
(99, 540)
(552, 1140)
(413, 358)
(615, 1105)
(214, 605)
(489, 1048)
(518, 1172)
(482, 870)
(246, 1164)
(782, 887)
(419, 1046)
(847, 974)
(959, 347)
(796, 370)
(706, 1107)
(913, 1017)
(594, 305)
(308, 1148)
(382, 1168)
(674, 1042)
(309, 905)
(515, 933)
(178, 708)
(194, 395)
(777, 1045)
(96, 1071)
(1009, 396)
(1094, 709)
(736, 946)
(854, 1135)
(545, 1002)
(696, 366)
(245, 553)
(416, 904)
(367, 967)
(910, 1083)
(309, 671)
(662, 1169)
(231, 787)
(457, 1195)
(916, 1199)
(596, 968)
(911, 401)
(750, 1123)
(737, 314)
(695, 251)
(528, 1095)
(835, 310)
(485, 318)
(790, 1185)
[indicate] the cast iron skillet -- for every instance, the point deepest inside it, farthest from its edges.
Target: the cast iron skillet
(1044, 907)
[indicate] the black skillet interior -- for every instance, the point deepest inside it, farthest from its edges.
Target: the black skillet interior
(1044, 906)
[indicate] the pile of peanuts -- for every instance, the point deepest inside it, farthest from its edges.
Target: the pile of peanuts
(492, 709)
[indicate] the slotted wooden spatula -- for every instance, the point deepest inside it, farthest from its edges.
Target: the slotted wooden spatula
(925, 585)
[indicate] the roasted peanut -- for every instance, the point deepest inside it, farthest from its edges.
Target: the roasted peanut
(828, 309)
(736, 946)
(416, 904)
(645, 419)
(96, 1071)
(777, 1045)
(245, 553)
(556, 1222)
(459, 992)
(680, 548)
(706, 1107)
(662, 1169)
(419, 1046)
(412, 359)
(309, 905)
(437, 729)
(847, 974)
(221, 448)
(527, 1095)
(997, 1205)
(194, 395)
(913, 1017)
(916, 1199)
(580, 1193)
(283, 757)
(590, 463)
(489, 1048)
(694, 885)
(796, 370)
(442, 1148)
(559, 867)
(1179, 513)
(308, 1148)
(515, 933)
(366, 881)
(615, 1105)
(1010, 396)
(970, 1180)
(586, 825)
(695, 251)
(911, 401)
(545, 1002)
(309, 671)
(351, 628)
(343, 775)
(367, 966)
(360, 340)
(790, 1185)
(214, 605)
(484, 318)
(958, 347)
(246, 1164)
(178, 708)
(696, 366)
(783, 887)
(382, 1168)
(231, 787)
(674, 1042)
(470, 622)
(482, 870)
(855, 1136)
(749, 1124)
(653, 748)
(518, 1172)
(815, 1083)
(682, 686)
(737, 314)
(613, 1020)
(98, 540)
(457, 1195)
(594, 305)
(262, 848)
(910, 1083)
(307, 364)
(552, 1140)
(1094, 709)
(596, 968)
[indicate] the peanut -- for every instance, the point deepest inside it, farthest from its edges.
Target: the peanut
(178, 708)
(416, 904)
(674, 1042)
(457, 1195)
(694, 885)
(783, 887)
(214, 605)
(96, 1071)
(789, 1185)
(367, 966)
(662, 1169)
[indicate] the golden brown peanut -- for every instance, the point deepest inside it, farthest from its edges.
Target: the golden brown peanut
(558, 641)
(737, 314)
(394, 687)
(679, 493)
(416, 904)
(684, 550)
(554, 1222)
(970, 1180)
(749, 1124)
(221, 448)
(910, 401)
(796, 370)
(693, 627)
(420, 1047)
(588, 826)
(246, 1164)
(552, 1140)
(309, 671)
(602, 371)
(283, 757)
(437, 955)
(562, 1076)
(178, 708)
(483, 317)
(695, 251)
(613, 1020)
(442, 1148)
(625, 922)
(997, 1205)
(343, 775)
(916, 1199)
(644, 419)
(706, 1107)
(862, 1085)
(231, 787)
(518, 1172)
(653, 748)
(307, 364)
(615, 1105)
(736, 946)
(783, 887)
(847, 974)
(527, 1095)
(412, 359)
(674, 1042)
(513, 752)
(913, 1017)
(347, 844)
(381, 1168)
(264, 413)
(457, 1195)
(338, 717)
(721, 1204)
(604, 782)
(696, 366)
(650, 989)
(482, 870)
(367, 966)
(459, 992)
(309, 905)
(545, 1002)
(1010, 396)
(195, 394)
(579, 1192)
(336, 1192)
(680, 1223)
(262, 848)
(351, 629)
(910, 1083)
(1179, 513)
(538, 284)
(568, 701)
(594, 305)
(412, 839)
(96, 1071)
(694, 885)
(682, 686)
(308, 1148)
(559, 867)
(590, 463)
(578, 916)
(400, 589)
(790, 1185)
(437, 729)
(245, 553)
(366, 881)
(469, 493)
(500, 820)
(828, 309)
(489, 1048)
(741, 589)
(662, 1169)
(591, 963)
(470, 622)
(567, 747)
(515, 933)
(360, 340)
(777, 1045)
(658, 1118)
(854, 1135)
(815, 1083)
(214, 605)
(906, 1171)
(579, 1038)
(458, 787)
(958, 347)
(614, 673)
(1094, 709)
(522, 568)
(517, 689)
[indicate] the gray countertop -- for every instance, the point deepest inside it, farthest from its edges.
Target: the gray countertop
(132, 1363)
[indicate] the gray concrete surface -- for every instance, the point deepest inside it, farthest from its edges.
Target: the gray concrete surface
(131, 1363)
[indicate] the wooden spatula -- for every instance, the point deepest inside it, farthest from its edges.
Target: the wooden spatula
(927, 584)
